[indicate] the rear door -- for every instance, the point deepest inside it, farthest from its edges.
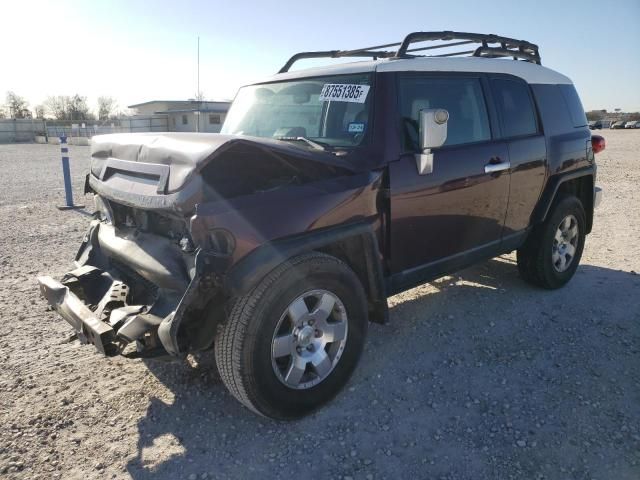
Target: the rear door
(460, 207)
(527, 148)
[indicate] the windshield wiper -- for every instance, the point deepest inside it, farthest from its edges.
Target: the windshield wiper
(317, 145)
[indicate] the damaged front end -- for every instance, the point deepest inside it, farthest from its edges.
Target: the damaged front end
(136, 287)
(175, 214)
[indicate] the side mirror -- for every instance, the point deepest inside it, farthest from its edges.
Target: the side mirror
(433, 134)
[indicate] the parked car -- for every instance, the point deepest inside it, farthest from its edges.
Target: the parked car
(618, 125)
(632, 124)
(599, 124)
(329, 189)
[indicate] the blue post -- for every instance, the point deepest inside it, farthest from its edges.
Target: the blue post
(64, 150)
(65, 171)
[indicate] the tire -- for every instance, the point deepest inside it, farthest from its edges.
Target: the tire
(539, 261)
(245, 346)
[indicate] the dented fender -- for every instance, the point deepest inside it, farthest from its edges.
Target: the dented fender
(261, 218)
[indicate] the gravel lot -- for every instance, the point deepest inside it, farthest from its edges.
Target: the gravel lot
(477, 376)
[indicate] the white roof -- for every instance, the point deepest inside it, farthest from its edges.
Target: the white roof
(528, 71)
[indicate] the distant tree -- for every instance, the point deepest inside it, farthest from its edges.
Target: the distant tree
(17, 106)
(106, 107)
(57, 106)
(79, 109)
(596, 115)
(39, 111)
(63, 107)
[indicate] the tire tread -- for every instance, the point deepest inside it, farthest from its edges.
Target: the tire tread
(233, 333)
(532, 264)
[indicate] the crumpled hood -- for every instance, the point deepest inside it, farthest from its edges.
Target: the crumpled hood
(174, 158)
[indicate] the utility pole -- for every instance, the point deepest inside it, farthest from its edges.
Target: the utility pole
(198, 90)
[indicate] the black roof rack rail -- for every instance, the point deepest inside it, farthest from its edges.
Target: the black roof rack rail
(368, 52)
(491, 46)
(506, 47)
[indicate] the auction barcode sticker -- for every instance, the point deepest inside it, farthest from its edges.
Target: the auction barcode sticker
(344, 92)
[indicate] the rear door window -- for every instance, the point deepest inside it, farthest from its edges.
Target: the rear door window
(515, 107)
(461, 97)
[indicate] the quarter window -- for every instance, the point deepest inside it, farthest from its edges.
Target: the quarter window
(214, 119)
(461, 97)
(574, 104)
(185, 120)
(515, 107)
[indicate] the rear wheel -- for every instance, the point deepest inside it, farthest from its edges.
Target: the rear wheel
(551, 254)
(291, 343)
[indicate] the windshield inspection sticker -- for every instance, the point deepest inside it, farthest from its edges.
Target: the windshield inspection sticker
(356, 127)
(344, 92)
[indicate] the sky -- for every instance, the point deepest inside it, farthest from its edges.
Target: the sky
(138, 51)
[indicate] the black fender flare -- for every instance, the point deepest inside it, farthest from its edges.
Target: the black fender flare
(550, 192)
(243, 276)
(206, 264)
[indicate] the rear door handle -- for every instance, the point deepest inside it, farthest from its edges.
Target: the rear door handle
(496, 167)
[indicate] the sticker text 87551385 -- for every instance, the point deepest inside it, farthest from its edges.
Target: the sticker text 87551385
(344, 92)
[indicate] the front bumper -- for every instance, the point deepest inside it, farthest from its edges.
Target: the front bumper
(88, 328)
(94, 303)
(131, 288)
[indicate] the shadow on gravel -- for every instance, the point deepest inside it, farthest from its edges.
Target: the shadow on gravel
(83, 211)
(479, 376)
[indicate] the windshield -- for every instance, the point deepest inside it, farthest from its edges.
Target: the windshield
(331, 110)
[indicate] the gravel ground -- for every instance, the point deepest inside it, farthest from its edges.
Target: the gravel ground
(477, 376)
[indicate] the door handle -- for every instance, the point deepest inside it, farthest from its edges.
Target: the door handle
(496, 167)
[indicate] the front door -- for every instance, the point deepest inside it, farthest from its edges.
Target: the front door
(444, 217)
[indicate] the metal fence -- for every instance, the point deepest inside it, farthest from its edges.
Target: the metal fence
(26, 130)
(19, 130)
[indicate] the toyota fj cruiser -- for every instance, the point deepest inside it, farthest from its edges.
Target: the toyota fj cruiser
(328, 190)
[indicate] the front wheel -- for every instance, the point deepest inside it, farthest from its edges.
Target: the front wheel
(551, 254)
(291, 343)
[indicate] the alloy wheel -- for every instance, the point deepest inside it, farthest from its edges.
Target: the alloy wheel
(565, 244)
(309, 339)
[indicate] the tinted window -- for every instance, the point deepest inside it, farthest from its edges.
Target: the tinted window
(461, 97)
(515, 107)
(551, 107)
(574, 105)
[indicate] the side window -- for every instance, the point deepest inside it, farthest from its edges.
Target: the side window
(461, 97)
(574, 105)
(514, 105)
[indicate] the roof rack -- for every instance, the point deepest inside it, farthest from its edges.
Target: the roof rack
(491, 46)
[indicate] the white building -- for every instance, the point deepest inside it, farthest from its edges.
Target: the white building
(186, 115)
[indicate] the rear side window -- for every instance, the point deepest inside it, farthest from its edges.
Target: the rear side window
(515, 107)
(461, 97)
(574, 105)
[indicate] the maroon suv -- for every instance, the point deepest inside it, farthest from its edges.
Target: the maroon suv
(328, 190)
